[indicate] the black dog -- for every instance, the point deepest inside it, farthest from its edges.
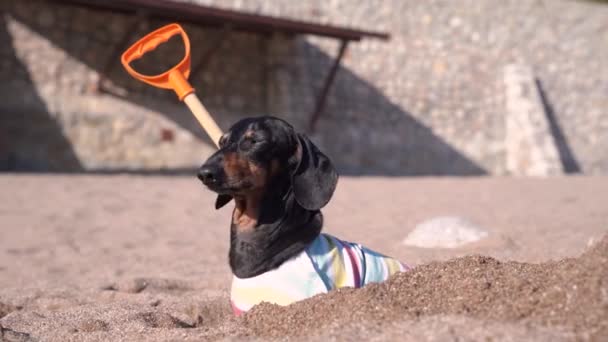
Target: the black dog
(279, 181)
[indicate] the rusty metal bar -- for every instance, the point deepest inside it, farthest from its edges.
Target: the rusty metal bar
(216, 45)
(327, 85)
(212, 16)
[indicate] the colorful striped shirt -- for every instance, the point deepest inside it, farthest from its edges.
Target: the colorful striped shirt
(326, 264)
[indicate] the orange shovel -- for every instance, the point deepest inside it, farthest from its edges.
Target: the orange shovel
(175, 78)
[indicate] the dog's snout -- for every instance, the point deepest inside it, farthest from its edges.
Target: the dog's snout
(208, 174)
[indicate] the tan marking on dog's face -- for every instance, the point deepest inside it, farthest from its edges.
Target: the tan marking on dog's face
(239, 169)
(234, 167)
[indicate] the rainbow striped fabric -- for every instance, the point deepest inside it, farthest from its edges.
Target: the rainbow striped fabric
(327, 264)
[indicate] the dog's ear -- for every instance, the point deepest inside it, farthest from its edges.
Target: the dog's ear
(314, 178)
(222, 200)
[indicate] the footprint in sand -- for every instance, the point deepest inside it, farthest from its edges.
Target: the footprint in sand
(154, 319)
(92, 325)
(138, 285)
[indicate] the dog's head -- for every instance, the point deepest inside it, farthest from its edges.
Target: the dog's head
(258, 153)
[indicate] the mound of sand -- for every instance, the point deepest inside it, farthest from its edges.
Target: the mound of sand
(571, 293)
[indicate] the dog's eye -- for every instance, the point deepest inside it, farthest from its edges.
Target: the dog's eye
(246, 144)
(249, 142)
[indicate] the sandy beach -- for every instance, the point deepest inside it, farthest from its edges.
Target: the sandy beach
(127, 257)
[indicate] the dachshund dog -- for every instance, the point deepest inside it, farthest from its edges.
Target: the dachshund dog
(279, 181)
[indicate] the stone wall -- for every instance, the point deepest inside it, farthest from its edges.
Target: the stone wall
(429, 101)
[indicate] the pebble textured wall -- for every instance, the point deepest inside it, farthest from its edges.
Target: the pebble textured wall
(429, 101)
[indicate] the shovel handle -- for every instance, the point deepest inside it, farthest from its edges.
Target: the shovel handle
(204, 118)
(174, 78)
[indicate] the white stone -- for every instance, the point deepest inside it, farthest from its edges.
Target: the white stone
(455, 22)
(444, 232)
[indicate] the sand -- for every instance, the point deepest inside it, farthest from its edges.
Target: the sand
(92, 258)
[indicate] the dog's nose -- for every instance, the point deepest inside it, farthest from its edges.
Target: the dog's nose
(208, 175)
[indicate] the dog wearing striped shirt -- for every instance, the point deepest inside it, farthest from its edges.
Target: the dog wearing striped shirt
(279, 181)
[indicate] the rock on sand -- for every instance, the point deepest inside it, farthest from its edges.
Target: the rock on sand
(444, 232)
